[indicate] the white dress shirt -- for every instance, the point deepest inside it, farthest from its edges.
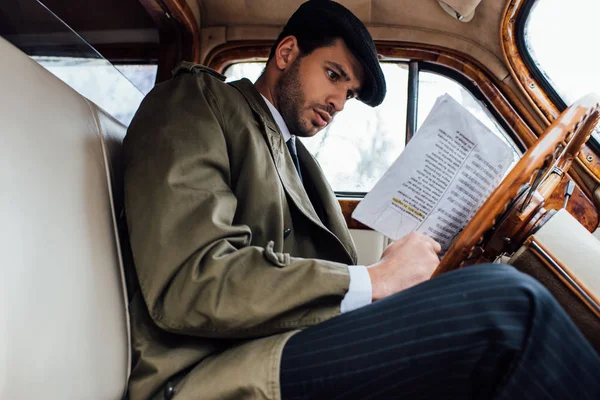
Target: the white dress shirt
(360, 291)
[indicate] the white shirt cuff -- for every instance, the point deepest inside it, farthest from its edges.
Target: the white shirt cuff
(360, 291)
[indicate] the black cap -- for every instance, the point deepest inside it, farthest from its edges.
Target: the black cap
(316, 17)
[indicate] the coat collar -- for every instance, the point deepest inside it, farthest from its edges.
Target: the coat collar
(288, 174)
(279, 121)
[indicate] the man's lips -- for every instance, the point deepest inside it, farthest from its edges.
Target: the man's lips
(323, 117)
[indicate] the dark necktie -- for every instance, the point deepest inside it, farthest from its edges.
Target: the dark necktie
(291, 145)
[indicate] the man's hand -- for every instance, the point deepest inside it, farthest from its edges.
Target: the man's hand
(404, 263)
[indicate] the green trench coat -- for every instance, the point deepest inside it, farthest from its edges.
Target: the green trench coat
(211, 194)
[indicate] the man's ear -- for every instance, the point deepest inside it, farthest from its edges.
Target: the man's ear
(286, 52)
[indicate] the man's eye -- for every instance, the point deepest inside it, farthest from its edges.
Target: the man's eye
(332, 75)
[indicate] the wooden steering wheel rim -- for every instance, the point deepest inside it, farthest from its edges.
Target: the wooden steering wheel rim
(571, 130)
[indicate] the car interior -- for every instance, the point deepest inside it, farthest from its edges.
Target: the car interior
(73, 75)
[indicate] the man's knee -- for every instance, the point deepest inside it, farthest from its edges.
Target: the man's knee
(498, 275)
(499, 293)
(496, 284)
(512, 278)
(490, 293)
(504, 291)
(504, 280)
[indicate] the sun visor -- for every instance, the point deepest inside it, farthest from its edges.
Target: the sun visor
(462, 10)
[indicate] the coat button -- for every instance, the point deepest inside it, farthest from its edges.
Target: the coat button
(169, 391)
(286, 233)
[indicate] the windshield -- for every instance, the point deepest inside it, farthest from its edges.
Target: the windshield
(561, 38)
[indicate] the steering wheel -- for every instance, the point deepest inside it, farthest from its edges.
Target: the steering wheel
(542, 167)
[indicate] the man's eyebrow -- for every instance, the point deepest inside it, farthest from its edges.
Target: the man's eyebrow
(340, 69)
(344, 74)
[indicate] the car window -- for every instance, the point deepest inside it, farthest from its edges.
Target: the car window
(560, 39)
(118, 90)
(433, 85)
(142, 76)
(362, 142)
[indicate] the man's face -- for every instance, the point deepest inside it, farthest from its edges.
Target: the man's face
(316, 87)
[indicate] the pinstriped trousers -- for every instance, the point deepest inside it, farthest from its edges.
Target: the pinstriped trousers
(483, 332)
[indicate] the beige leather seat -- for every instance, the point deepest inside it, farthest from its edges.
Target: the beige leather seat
(63, 312)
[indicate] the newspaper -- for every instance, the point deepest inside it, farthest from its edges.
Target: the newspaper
(446, 172)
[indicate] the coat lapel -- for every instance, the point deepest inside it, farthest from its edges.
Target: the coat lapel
(287, 171)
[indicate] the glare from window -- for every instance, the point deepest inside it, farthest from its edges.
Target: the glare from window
(561, 37)
(142, 76)
(362, 142)
(100, 82)
(249, 70)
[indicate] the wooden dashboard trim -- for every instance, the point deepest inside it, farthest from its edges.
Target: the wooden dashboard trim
(348, 206)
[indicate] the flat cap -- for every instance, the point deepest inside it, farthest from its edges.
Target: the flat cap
(318, 17)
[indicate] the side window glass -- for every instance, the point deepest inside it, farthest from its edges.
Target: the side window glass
(142, 76)
(119, 90)
(249, 70)
(362, 142)
(563, 56)
(432, 85)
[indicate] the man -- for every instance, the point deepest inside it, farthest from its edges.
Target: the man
(245, 263)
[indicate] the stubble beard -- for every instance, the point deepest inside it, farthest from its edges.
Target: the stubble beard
(290, 98)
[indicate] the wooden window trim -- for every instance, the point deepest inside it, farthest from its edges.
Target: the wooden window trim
(179, 36)
(529, 85)
(540, 100)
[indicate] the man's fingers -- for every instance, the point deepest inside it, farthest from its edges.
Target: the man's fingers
(436, 246)
(416, 237)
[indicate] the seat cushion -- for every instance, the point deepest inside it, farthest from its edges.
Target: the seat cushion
(64, 329)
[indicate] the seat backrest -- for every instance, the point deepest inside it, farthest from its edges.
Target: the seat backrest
(64, 330)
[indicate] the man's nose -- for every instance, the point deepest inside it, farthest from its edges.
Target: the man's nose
(337, 101)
